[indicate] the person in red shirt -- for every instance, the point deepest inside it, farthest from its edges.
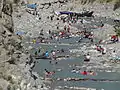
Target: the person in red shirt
(84, 73)
(114, 38)
(49, 73)
(88, 73)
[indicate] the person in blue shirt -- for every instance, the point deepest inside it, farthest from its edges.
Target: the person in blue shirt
(32, 6)
(46, 54)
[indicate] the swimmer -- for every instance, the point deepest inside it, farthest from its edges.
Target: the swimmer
(49, 73)
(59, 79)
(91, 73)
(50, 62)
(55, 46)
(56, 62)
(77, 71)
(88, 73)
(65, 79)
(59, 70)
(73, 71)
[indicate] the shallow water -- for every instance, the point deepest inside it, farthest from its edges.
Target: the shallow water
(66, 65)
(66, 72)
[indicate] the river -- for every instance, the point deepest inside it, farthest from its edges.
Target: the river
(64, 67)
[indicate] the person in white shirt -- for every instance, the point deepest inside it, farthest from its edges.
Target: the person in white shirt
(87, 58)
(104, 50)
(53, 55)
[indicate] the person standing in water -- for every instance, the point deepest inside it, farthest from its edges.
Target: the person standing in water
(53, 56)
(46, 54)
(87, 58)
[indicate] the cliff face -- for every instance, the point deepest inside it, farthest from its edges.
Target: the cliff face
(9, 43)
(6, 24)
(13, 74)
(6, 15)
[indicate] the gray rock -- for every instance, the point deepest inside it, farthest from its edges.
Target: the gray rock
(1, 6)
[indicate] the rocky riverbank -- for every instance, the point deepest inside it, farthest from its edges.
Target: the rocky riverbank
(13, 73)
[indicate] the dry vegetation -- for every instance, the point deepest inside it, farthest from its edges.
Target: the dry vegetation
(115, 2)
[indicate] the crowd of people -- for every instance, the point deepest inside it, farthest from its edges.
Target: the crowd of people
(65, 33)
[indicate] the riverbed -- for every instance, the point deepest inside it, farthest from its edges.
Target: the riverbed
(75, 50)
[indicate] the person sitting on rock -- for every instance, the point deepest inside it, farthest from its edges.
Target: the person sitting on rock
(91, 73)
